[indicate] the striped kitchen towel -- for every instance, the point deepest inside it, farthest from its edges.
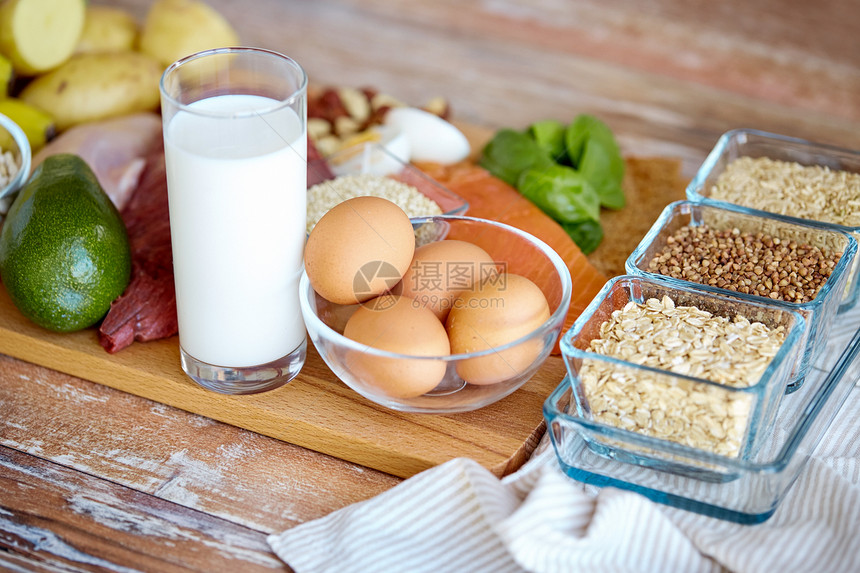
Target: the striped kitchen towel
(458, 517)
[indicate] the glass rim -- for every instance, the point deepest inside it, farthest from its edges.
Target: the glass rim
(24, 151)
(793, 337)
(281, 103)
(636, 260)
(747, 135)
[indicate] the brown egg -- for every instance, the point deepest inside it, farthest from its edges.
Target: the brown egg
(440, 271)
(397, 324)
(359, 249)
(493, 313)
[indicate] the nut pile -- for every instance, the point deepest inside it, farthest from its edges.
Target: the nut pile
(685, 340)
(789, 188)
(751, 263)
(337, 117)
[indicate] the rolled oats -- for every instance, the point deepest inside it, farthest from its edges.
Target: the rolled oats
(683, 340)
(9, 167)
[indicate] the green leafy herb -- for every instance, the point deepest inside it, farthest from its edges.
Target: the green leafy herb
(586, 234)
(585, 128)
(549, 134)
(561, 193)
(510, 153)
(605, 171)
(569, 172)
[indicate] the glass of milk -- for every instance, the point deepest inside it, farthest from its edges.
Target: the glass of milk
(235, 123)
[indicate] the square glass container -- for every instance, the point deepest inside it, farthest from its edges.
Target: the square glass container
(739, 143)
(761, 481)
(375, 159)
(819, 313)
(664, 419)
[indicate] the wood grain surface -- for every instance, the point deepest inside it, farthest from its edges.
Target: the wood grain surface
(314, 410)
(97, 479)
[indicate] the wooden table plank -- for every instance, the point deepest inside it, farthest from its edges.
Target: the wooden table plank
(65, 518)
(240, 476)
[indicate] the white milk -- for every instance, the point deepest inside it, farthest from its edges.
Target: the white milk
(237, 191)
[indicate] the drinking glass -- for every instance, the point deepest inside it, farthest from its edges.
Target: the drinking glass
(235, 125)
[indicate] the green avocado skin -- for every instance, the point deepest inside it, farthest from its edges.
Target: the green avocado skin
(64, 250)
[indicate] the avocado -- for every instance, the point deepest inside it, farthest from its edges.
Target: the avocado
(64, 249)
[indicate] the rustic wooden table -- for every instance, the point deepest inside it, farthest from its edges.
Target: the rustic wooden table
(92, 478)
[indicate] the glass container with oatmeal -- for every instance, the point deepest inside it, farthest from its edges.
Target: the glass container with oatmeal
(677, 364)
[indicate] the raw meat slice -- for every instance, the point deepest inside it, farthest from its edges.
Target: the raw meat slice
(115, 149)
(147, 308)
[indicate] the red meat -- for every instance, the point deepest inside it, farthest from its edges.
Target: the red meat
(147, 308)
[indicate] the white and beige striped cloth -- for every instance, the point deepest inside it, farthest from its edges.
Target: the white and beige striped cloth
(458, 517)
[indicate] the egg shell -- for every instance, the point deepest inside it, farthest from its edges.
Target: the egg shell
(397, 324)
(431, 138)
(494, 313)
(359, 249)
(440, 271)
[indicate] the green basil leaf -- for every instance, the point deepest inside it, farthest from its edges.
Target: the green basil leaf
(510, 153)
(561, 193)
(583, 129)
(604, 170)
(549, 134)
(586, 234)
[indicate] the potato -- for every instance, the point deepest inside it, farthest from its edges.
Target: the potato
(7, 76)
(39, 35)
(90, 87)
(107, 29)
(174, 29)
(37, 125)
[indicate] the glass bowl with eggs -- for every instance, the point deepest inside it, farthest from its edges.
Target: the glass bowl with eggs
(436, 314)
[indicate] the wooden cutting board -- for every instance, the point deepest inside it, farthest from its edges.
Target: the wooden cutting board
(315, 410)
(318, 411)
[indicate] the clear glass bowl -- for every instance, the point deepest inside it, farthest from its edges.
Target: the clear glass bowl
(748, 411)
(760, 481)
(533, 259)
(13, 140)
(819, 313)
(753, 143)
(374, 158)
